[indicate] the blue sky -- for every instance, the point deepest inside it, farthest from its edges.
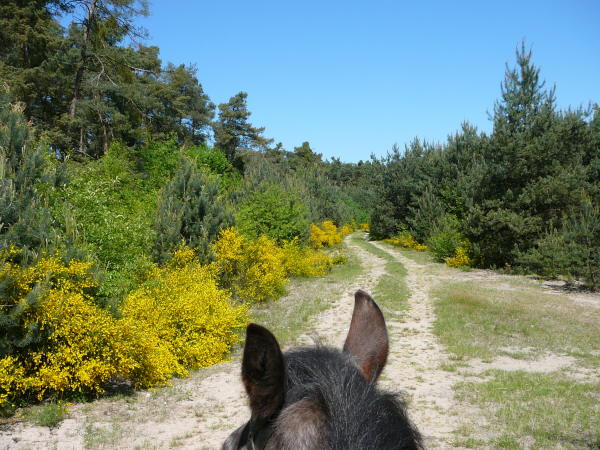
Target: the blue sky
(353, 78)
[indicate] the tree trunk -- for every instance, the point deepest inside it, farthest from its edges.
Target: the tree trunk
(87, 29)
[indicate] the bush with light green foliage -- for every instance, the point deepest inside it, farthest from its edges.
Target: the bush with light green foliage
(445, 238)
(110, 210)
(279, 214)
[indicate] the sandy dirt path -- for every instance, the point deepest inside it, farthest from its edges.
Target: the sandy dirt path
(329, 327)
(416, 359)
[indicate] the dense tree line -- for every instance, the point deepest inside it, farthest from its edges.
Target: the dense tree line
(526, 195)
(112, 155)
(106, 156)
(94, 82)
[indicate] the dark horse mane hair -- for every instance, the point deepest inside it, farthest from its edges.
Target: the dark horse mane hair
(330, 378)
(320, 397)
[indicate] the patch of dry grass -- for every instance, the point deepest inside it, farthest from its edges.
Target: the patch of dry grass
(524, 410)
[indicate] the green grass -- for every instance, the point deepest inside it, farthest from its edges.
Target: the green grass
(473, 321)
(95, 436)
(424, 257)
(548, 409)
(359, 239)
(533, 410)
(391, 292)
(47, 415)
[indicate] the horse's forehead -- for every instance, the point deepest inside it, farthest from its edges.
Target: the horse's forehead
(302, 424)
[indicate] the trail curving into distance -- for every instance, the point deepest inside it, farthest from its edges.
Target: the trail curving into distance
(201, 411)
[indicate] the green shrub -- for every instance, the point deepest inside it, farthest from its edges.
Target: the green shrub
(111, 211)
(189, 211)
(445, 238)
(274, 212)
(47, 415)
(158, 160)
(428, 211)
(573, 251)
(211, 159)
(26, 180)
(548, 258)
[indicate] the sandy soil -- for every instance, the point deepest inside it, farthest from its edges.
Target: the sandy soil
(200, 411)
(416, 360)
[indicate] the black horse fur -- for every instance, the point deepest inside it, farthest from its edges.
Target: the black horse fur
(320, 397)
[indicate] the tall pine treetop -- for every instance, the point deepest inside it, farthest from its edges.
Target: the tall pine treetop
(524, 100)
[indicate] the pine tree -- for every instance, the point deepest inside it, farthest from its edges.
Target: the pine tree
(233, 132)
(425, 215)
(582, 234)
(30, 40)
(25, 221)
(191, 212)
(307, 155)
(525, 106)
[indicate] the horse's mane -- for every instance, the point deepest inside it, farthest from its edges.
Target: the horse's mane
(359, 415)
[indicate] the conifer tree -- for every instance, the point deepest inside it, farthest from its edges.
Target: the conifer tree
(25, 221)
(233, 132)
(425, 215)
(307, 155)
(191, 212)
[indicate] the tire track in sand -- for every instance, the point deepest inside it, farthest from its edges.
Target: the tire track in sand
(329, 327)
(416, 357)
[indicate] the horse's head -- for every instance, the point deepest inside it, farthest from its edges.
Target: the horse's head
(320, 398)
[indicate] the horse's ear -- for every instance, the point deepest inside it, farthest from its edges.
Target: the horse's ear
(263, 373)
(367, 338)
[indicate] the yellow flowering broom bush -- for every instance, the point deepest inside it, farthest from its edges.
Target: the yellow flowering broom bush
(177, 319)
(325, 234)
(303, 261)
(183, 310)
(252, 269)
(461, 256)
(406, 240)
(346, 229)
(76, 346)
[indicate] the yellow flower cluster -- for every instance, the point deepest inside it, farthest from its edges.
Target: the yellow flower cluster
(326, 234)
(82, 347)
(177, 319)
(346, 229)
(363, 226)
(252, 269)
(460, 258)
(300, 260)
(12, 380)
(190, 320)
(406, 240)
